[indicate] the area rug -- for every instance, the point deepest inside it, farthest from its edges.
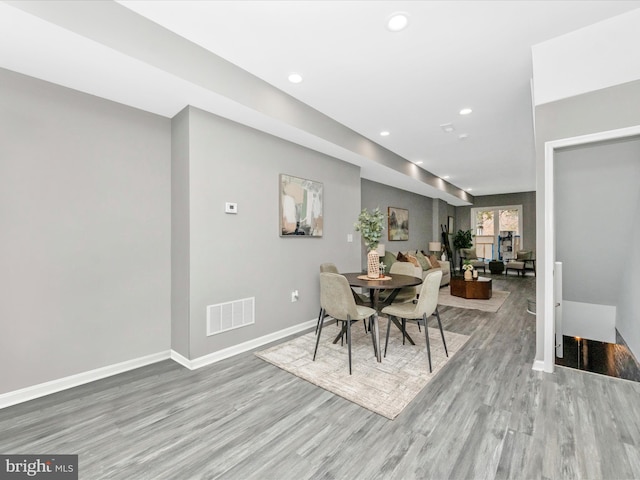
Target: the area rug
(385, 388)
(492, 305)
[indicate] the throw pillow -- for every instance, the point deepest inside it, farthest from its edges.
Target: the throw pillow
(470, 253)
(388, 260)
(423, 261)
(434, 261)
(402, 257)
(414, 260)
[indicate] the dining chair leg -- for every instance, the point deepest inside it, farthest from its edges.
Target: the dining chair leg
(375, 334)
(441, 332)
(349, 340)
(373, 340)
(317, 340)
(320, 318)
(404, 329)
(426, 336)
(386, 343)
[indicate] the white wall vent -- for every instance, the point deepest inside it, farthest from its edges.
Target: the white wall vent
(230, 315)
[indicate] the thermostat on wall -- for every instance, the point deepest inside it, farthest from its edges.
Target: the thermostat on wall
(231, 207)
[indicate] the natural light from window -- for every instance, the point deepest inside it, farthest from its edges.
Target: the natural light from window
(497, 242)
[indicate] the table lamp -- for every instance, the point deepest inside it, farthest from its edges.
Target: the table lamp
(435, 247)
(381, 250)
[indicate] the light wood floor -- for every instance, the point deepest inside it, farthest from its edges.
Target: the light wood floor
(487, 416)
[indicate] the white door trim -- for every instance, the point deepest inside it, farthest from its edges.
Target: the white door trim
(549, 231)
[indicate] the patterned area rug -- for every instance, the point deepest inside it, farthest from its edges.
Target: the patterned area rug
(492, 305)
(385, 388)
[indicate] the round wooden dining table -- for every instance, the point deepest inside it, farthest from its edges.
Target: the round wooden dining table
(395, 283)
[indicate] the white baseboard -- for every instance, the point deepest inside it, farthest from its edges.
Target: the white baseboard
(538, 365)
(47, 388)
(242, 347)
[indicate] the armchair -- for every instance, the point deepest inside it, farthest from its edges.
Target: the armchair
(525, 260)
(470, 254)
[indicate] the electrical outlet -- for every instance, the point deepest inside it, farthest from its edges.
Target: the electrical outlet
(294, 296)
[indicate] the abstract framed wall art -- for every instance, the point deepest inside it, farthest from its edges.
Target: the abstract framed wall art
(301, 205)
(398, 224)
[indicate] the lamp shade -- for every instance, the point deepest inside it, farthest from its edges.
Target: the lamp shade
(435, 246)
(381, 250)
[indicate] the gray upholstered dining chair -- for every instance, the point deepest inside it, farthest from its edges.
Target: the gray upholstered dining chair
(328, 267)
(406, 294)
(337, 301)
(331, 268)
(419, 312)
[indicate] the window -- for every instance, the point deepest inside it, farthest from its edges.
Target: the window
(501, 241)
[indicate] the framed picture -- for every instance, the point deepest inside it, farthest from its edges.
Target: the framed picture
(398, 224)
(300, 207)
(450, 225)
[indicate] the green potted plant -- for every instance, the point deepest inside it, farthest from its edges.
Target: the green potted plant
(462, 239)
(370, 225)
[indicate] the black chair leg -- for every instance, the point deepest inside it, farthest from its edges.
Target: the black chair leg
(437, 314)
(386, 343)
(349, 340)
(404, 329)
(372, 328)
(426, 335)
(317, 340)
(320, 318)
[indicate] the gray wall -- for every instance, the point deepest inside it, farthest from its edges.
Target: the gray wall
(628, 313)
(420, 215)
(596, 198)
(237, 256)
(180, 234)
(599, 111)
(85, 222)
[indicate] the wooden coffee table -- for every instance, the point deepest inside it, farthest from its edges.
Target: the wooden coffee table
(480, 288)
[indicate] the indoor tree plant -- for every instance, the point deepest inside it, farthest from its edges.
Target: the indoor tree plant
(370, 225)
(462, 239)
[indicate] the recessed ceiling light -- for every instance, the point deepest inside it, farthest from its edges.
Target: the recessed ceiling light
(397, 21)
(295, 77)
(463, 136)
(447, 127)
(465, 111)
(419, 162)
(384, 133)
(445, 177)
(468, 189)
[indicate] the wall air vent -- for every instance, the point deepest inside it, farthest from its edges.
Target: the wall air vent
(230, 315)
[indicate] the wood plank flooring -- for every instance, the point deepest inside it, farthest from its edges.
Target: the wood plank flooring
(487, 415)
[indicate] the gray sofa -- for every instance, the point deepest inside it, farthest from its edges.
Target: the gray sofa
(390, 257)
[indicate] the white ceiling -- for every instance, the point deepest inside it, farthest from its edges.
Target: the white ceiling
(453, 54)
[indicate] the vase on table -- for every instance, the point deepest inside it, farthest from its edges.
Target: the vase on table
(373, 264)
(468, 275)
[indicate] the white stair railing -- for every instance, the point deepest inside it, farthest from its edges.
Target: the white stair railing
(557, 294)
